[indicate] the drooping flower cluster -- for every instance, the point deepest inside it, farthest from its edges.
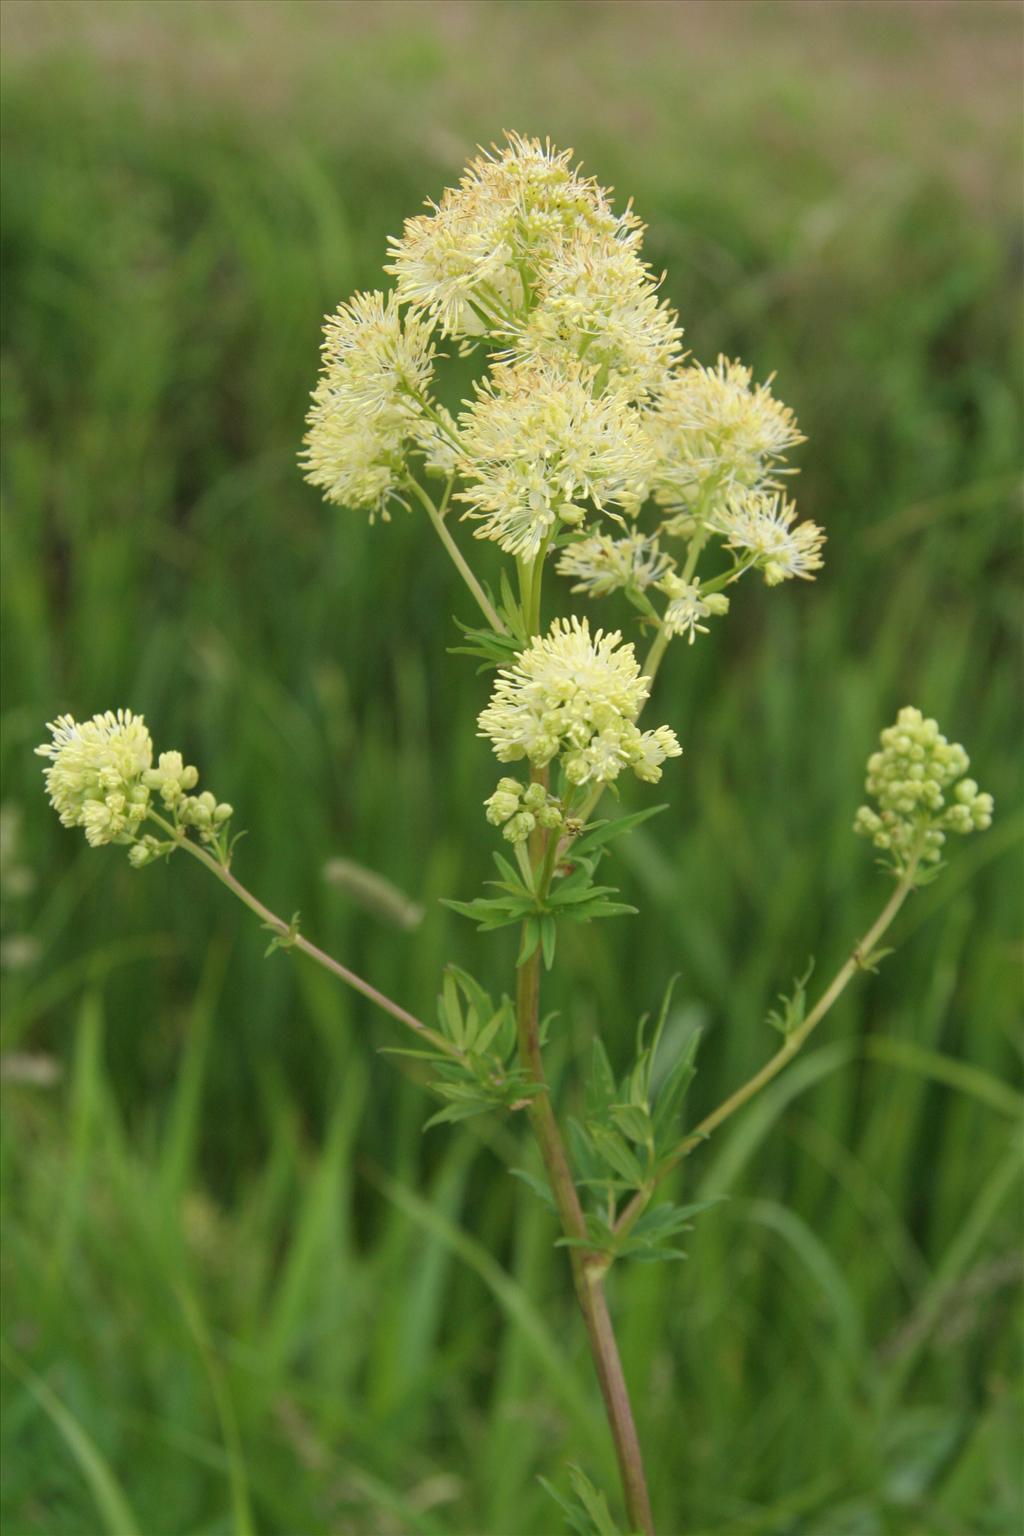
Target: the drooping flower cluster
(762, 527)
(911, 779)
(575, 697)
(101, 778)
(601, 564)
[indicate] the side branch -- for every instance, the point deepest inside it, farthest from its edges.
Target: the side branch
(858, 958)
(457, 557)
(295, 940)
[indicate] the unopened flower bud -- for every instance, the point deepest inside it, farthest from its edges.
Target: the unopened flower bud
(519, 828)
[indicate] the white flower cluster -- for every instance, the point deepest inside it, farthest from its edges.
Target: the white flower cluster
(101, 778)
(687, 606)
(588, 409)
(575, 697)
(601, 564)
(597, 300)
(760, 525)
(911, 779)
(369, 403)
(470, 262)
(95, 775)
(537, 445)
(715, 428)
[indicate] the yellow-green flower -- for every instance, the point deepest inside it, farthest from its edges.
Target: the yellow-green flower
(575, 696)
(95, 777)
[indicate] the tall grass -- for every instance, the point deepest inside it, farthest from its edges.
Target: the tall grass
(242, 1291)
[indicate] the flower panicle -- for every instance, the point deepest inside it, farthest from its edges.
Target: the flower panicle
(587, 411)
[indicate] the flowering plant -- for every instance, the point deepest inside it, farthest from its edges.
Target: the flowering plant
(594, 447)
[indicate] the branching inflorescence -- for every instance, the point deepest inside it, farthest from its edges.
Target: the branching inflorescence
(592, 444)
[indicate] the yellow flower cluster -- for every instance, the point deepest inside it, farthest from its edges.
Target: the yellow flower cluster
(101, 778)
(537, 445)
(470, 262)
(575, 697)
(763, 528)
(369, 403)
(95, 777)
(715, 430)
(587, 410)
(597, 299)
(601, 564)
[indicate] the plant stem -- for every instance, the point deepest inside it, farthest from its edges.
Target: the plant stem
(860, 953)
(458, 558)
(652, 661)
(297, 941)
(587, 1268)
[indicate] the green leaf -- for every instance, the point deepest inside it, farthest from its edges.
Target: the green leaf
(548, 939)
(281, 940)
(540, 1187)
(671, 1094)
(602, 1079)
(634, 1121)
(513, 881)
(583, 913)
(530, 940)
(492, 912)
(794, 1007)
(601, 833)
(594, 1504)
(471, 989)
(492, 649)
(613, 1149)
(659, 1028)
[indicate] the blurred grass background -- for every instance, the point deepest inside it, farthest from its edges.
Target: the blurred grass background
(242, 1293)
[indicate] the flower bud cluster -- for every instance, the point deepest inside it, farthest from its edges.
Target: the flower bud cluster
(101, 778)
(918, 782)
(519, 809)
(575, 697)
